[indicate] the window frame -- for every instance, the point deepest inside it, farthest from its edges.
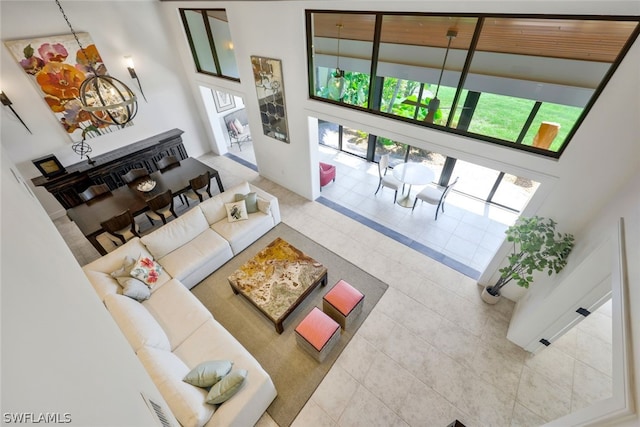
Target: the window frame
(211, 41)
(375, 80)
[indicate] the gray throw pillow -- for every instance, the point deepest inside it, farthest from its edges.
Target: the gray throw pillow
(134, 288)
(208, 373)
(251, 200)
(125, 270)
(224, 389)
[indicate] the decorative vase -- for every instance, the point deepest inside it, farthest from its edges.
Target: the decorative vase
(488, 298)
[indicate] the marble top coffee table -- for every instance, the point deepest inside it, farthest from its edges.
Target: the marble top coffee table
(277, 279)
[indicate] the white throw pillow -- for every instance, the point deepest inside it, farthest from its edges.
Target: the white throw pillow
(264, 206)
(236, 211)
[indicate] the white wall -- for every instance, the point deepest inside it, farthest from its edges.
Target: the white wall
(575, 190)
(61, 350)
(118, 28)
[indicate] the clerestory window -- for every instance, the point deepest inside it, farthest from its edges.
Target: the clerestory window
(210, 40)
(525, 82)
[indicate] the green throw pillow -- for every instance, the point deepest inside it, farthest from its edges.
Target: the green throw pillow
(251, 200)
(226, 387)
(208, 373)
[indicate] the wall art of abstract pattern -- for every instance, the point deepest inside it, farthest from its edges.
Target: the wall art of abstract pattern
(267, 73)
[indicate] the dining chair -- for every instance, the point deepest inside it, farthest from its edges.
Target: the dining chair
(166, 162)
(94, 191)
(134, 174)
(434, 195)
(121, 228)
(161, 207)
(387, 181)
(200, 185)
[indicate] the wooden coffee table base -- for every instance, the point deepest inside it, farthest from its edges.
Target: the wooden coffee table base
(277, 279)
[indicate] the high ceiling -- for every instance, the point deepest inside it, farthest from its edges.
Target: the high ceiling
(590, 40)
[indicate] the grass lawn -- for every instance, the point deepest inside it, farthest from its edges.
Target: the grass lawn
(503, 117)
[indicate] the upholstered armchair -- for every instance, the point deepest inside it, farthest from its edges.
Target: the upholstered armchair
(327, 174)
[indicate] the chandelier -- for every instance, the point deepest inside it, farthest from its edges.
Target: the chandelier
(434, 104)
(106, 98)
(337, 83)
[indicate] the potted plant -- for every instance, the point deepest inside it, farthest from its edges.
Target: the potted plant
(536, 247)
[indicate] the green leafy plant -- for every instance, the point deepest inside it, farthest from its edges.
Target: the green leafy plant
(536, 247)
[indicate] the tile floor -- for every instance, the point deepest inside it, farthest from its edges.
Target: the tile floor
(431, 351)
(464, 237)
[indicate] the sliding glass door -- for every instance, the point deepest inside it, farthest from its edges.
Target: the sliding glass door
(476, 181)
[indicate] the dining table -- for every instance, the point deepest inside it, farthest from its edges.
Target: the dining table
(89, 215)
(412, 173)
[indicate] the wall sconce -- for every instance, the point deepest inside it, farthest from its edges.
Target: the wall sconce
(7, 102)
(132, 72)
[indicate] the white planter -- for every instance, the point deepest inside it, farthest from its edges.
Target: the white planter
(488, 298)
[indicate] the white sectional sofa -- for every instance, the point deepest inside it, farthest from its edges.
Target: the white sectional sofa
(172, 332)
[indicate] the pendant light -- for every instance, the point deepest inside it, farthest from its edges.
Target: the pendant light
(337, 84)
(434, 104)
(106, 98)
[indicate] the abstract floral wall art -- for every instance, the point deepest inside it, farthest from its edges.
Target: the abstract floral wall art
(57, 67)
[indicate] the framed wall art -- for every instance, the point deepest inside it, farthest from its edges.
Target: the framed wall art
(267, 73)
(57, 67)
(49, 166)
(224, 101)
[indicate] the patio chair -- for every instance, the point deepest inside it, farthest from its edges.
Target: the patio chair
(387, 181)
(434, 195)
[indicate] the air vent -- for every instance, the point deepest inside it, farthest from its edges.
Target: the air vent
(159, 413)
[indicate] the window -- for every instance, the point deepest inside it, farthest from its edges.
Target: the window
(492, 186)
(336, 47)
(210, 41)
(524, 82)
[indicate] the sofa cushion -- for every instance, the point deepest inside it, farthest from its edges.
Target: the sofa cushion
(185, 401)
(175, 234)
(212, 341)
(227, 387)
(99, 271)
(177, 311)
(214, 209)
(208, 373)
(188, 258)
(241, 234)
(137, 324)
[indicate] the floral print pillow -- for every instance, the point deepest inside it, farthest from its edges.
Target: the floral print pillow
(147, 270)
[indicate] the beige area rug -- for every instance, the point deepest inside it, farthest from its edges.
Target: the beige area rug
(294, 372)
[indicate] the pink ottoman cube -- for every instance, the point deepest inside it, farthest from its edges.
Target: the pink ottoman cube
(317, 334)
(343, 303)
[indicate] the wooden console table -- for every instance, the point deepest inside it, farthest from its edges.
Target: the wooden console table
(109, 167)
